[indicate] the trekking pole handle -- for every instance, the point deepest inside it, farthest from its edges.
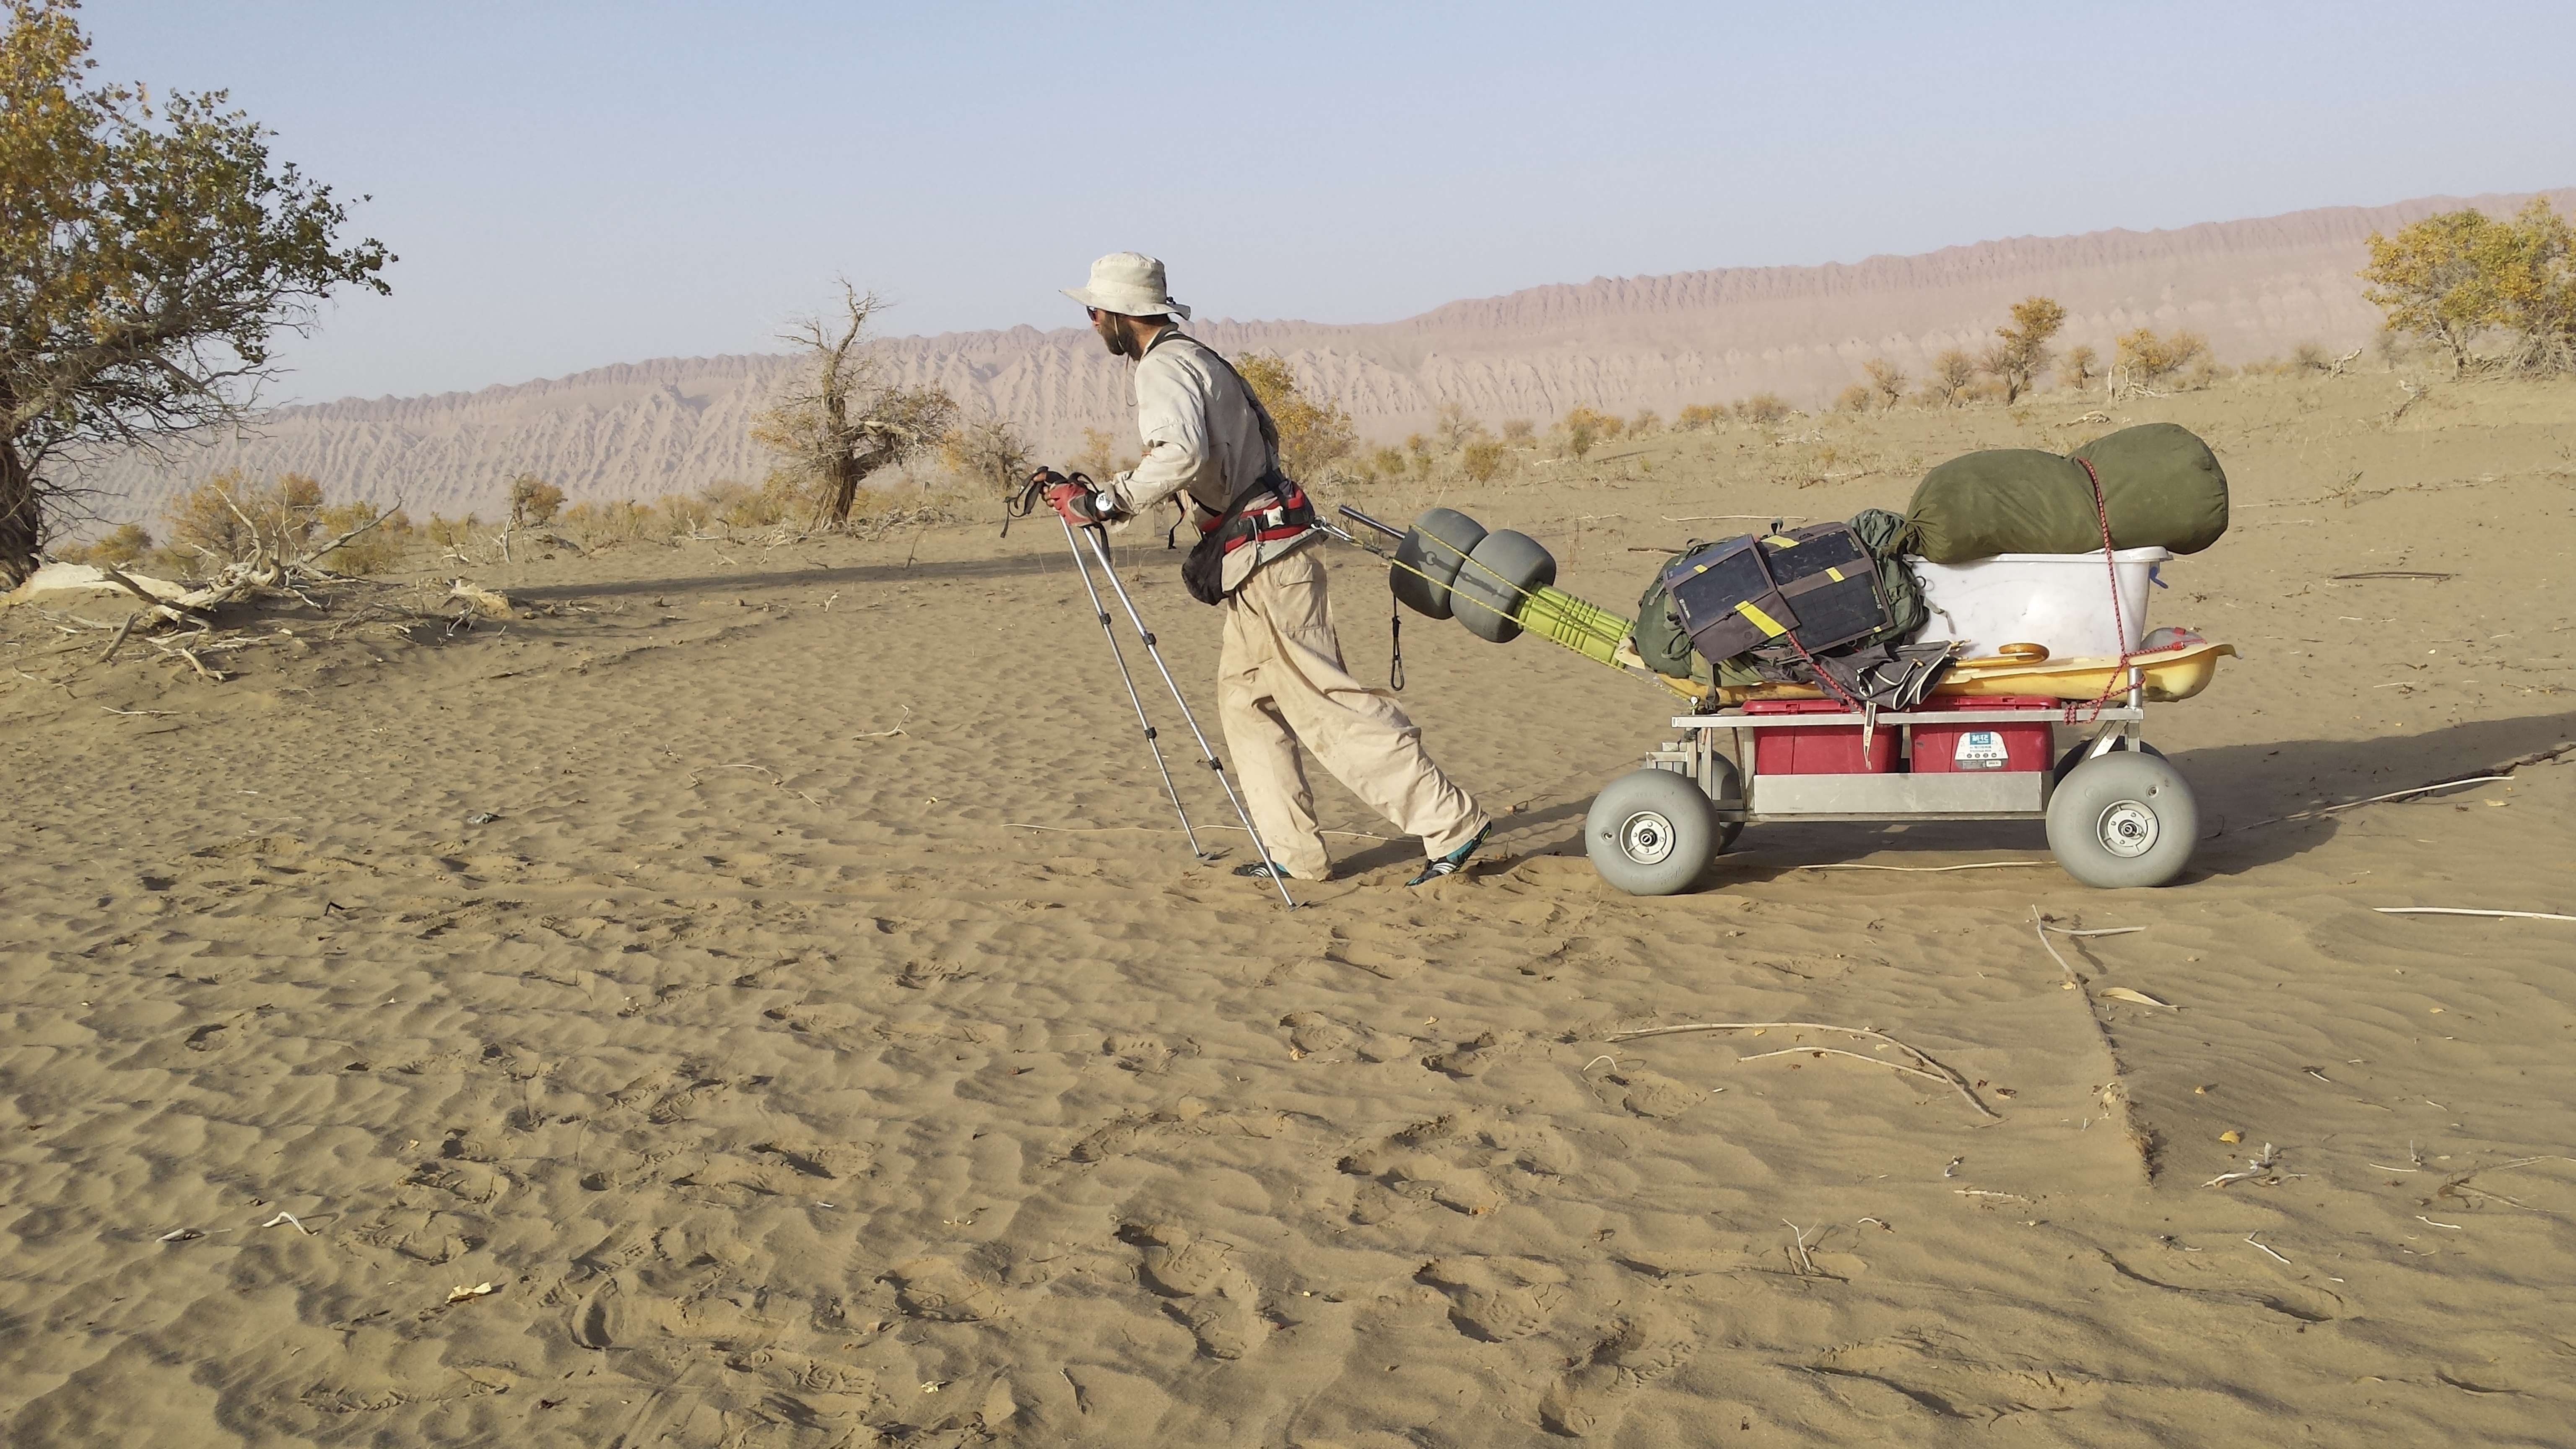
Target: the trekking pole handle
(1356, 516)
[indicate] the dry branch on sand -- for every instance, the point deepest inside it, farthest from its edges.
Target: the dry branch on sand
(194, 625)
(1922, 1064)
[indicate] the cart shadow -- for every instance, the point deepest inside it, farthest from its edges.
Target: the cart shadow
(2246, 790)
(2246, 794)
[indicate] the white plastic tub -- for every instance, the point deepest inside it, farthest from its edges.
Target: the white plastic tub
(2062, 600)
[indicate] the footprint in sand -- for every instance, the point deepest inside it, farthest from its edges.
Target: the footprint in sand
(1311, 1033)
(1592, 1395)
(1495, 1299)
(1652, 1094)
(1218, 1303)
(936, 1288)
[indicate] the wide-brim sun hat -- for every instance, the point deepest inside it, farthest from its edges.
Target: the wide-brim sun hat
(1130, 284)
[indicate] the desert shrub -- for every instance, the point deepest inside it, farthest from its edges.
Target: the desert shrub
(2456, 279)
(988, 455)
(2149, 359)
(1454, 429)
(2431, 281)
(229, 519)
(1598, 424)
(1386, 462)
(453, 532)
(1646, 421)
(371, 552)
(1481, 459)
(1697, 416)
(2021, 350)
(1765, 408)
(1099, 457)
(2078, 367)
(118, 548)
(616, 520)
(2309, 357)
(534, 502)
(1952, 372)
(1855, 398)
(1582, 433)
(1312, 432)
(1886, 381)
(1416, 444)
(2531, 272)
(1518, 430)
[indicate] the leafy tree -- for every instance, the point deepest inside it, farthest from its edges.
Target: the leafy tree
(2529, 267)
(2430, 280)
(534, 502)
(149, 253)
(2020, 351)
(1312, 433)
(840, 421)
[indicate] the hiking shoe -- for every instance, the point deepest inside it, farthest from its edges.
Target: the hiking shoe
(1262, 870)
(1451, 863)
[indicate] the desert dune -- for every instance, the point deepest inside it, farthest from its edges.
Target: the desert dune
(774, 972)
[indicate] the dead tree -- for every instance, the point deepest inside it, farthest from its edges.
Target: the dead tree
(839, 420)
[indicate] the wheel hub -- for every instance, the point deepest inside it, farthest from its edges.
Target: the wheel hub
(2127, 829)
(1646, 837)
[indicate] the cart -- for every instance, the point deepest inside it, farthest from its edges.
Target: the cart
(2117, 813)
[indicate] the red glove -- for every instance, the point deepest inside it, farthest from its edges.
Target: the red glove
(1074, 499)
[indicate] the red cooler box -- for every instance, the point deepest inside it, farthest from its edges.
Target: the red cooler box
(1951, 749)
(1826, 749)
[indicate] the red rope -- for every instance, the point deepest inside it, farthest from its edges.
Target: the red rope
(2119, 618)
(1822, 678)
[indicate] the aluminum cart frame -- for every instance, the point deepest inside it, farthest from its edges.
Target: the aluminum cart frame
(2117, 813)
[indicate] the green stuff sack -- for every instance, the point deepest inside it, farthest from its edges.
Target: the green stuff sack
(2164, 487)
(2160, 485)
(1658, 635)
(2002, 500)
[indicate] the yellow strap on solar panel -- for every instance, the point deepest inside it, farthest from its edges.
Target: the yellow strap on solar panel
(1771, 628)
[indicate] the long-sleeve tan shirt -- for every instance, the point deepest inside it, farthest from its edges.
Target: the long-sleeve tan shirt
(1201, 437)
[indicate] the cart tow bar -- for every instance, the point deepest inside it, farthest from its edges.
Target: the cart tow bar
(1100, 611)
(1100, 551)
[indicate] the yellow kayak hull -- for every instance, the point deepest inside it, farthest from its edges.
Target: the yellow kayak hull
(2169, 674)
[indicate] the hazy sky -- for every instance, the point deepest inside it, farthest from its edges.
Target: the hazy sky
(576, 184)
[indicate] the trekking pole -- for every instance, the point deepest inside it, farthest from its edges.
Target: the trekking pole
(1100, 551)
(1101, 612)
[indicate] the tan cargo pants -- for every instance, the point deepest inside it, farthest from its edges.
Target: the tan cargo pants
(1280, 684)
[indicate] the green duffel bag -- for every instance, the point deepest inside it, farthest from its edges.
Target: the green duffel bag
(2160, 485)
(2164, 487)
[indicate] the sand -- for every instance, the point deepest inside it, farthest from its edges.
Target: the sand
(827, 1041)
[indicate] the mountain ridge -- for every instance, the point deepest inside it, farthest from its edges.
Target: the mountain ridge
(2254, 287)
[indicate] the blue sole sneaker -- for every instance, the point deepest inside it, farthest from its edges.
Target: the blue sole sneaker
(1453, 862)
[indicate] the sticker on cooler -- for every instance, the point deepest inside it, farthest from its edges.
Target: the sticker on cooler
(1980, 750)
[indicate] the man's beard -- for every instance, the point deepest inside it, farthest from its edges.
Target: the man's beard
(1113, 335)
